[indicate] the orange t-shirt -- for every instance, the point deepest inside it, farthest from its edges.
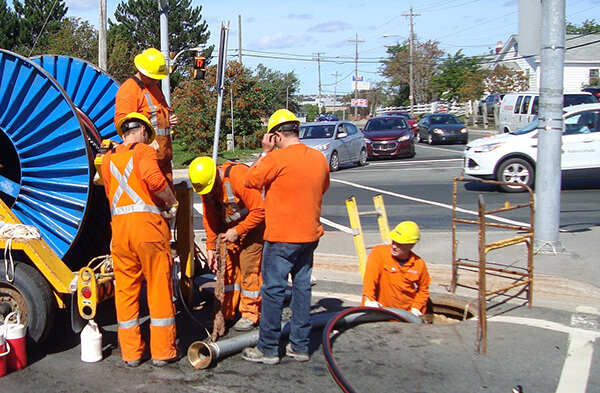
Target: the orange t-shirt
(131, 98)
(295, 179)
(250, 198)
(392, 285)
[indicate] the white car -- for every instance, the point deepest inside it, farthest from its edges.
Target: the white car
(512, 157)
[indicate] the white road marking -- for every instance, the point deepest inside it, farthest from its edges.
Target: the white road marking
(337, 226)
(576, 369)
(425, 201)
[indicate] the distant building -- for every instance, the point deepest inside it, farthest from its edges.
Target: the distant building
(582, 61)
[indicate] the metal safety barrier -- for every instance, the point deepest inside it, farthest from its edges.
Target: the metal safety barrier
(518, 276)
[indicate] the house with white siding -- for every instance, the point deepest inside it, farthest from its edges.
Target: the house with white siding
(582, 61)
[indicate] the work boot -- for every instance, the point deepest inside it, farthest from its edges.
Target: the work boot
(244, 325)
(297, 356)
(255, 355)
(162, 363)
(137, 363)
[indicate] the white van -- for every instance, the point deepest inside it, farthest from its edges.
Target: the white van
(519, 109)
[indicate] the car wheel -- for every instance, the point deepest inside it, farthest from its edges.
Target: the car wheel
(418, 137)
(515, 171)
(334, 162)
(430, 139)
(362, 157)
(412, 150)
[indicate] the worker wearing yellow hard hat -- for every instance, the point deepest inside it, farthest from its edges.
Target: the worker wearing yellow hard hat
(142, 93)
(234, 214)
(141, 205)
(395, 276)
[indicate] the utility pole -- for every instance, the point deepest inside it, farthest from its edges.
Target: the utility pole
(102, 54)
(547, 176)
(319, 70)
(240, 39)
(356, 40)
(335, 90)
(163, 7)
(411, 95)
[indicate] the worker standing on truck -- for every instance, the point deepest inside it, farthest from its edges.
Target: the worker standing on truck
(235, 214)
(142, 93)
(141, 204)
(294, 177)
(395, 276)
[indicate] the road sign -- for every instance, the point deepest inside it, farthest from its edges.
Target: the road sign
(360, 103)
(357, 78)
(361, 86)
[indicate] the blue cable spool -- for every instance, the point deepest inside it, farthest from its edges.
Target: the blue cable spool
(46, 165)
(92, 90)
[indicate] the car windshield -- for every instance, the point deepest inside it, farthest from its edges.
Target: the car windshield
(528, 128)
(576, 99)
(316, 132)
(396, 123)
(444, 119)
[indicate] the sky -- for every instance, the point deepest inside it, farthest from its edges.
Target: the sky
(313, 38)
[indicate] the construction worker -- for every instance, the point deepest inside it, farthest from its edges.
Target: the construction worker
(395, 276)
(142, 93)
(234, 214)
(294, 177)
(141, 204)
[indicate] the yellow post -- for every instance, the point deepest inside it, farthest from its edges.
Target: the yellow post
(185, 239)
(359, 241)
(382, 220)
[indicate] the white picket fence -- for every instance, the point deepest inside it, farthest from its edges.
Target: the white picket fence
(435, 107)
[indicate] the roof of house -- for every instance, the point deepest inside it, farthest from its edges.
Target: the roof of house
(579, 48)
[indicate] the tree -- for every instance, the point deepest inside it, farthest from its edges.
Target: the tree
(76, 38)
(505, 79)
(425, 58)
(38, 20)
(9, 27)
(195, 102)
(278, 88)
(587, 27)
(453, 74)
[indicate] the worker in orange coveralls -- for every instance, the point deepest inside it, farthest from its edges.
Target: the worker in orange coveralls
(395, 276)
(235, 214)
(142, 93)
(141, 204)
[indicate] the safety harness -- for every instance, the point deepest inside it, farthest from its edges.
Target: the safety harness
(153, 111)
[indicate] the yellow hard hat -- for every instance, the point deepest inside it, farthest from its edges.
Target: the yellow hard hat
(152, 64)
(281, 116)
(131, 121)
(203, 172)
(407, 232)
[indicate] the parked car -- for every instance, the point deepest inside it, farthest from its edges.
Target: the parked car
(519, 109)
(440, 128)
(341, 142)
(389, 136)
(489, 102)
(595, 90)
(512, 157)
(326, 117)
(407, 116)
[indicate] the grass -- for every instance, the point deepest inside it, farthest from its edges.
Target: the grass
(182, 156)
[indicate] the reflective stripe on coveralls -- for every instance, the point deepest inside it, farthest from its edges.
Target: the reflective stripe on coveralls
(128, 324)
(232, 212)
(139, 204)
(153, 118)
(238, 287)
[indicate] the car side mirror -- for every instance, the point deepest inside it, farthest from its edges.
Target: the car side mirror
(342, 135)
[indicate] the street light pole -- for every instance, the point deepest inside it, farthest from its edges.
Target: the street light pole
(411, 96)
(356, 40)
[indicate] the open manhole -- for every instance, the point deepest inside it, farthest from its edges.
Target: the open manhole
(448, 310)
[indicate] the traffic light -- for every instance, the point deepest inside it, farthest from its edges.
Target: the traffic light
(199, 67)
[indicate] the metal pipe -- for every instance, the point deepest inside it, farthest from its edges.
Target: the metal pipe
(201, 354)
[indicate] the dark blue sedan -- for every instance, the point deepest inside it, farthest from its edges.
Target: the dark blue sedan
(442, 128)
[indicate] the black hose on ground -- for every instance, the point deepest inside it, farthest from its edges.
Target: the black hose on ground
(327, 334)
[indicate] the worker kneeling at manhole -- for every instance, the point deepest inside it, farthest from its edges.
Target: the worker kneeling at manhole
(395, 276)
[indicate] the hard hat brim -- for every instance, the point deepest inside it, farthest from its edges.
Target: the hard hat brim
(137, 116)
(144, 71)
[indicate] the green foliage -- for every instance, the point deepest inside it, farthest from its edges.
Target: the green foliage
(278, 88)
(454, 74)
(505, 79)
(9, 28)
(195, 102)
(76, 38)
(38, 20)
(587, 27)
(311, 112)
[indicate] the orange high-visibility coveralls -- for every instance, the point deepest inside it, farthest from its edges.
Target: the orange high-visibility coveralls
(140, 247)
(233, 205)
(392, 285)
(134, 96)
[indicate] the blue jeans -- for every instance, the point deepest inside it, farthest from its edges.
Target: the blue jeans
(279, 259)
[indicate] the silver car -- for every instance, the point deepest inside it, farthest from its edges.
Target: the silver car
(340, 141)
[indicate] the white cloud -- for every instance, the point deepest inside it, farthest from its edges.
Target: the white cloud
(330, 27)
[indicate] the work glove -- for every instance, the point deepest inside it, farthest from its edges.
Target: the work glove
(416, 312)
(170, 211)
(372, 303)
